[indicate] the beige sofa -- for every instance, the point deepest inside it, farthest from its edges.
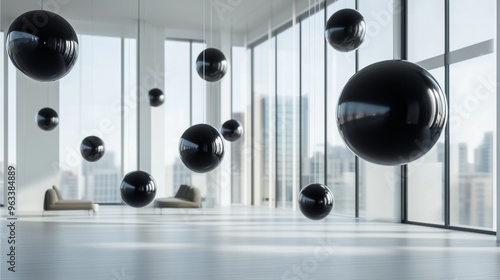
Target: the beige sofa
(186, 197)
(54, 201)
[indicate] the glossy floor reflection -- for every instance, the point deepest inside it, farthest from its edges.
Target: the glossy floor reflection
(122, 243)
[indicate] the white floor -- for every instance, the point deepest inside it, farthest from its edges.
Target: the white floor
(121, 243)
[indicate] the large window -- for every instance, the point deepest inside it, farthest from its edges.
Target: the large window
(241, 111)
(376, 181)
(287, 117)
(264, 122)
(340, 161)
(184, 106)
(91, 103)
(463, 161)
(313, 98)
(2, 128)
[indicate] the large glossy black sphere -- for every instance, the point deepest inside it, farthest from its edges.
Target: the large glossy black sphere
(92, 148)
(391, 112)
(138, 188)
(47, 119)
(231, 130)
(42, 45)
(201, 148)
(211, 65)
(316, 201)
(345, 30)
(156, 97)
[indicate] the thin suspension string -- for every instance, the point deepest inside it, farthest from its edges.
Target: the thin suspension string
(41, 5)
(211, 24)
(314, 90)
(310, 55)
(204, 53)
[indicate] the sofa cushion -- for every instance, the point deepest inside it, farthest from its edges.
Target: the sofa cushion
(50, 199)
(173, 202)
(58, 193)
(73, 205)
(181, 193)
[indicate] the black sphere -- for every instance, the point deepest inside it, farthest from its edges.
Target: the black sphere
(138, 188)
(156, 97)
(232, 130)
(47, 119)
(391, 112)
(211, 65)
(42, 45)
(345, 30)
(92, 148)
(201, 148)
(315, 201)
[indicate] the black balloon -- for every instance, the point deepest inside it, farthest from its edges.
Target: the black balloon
(47, 119)
(156, 97)
(138, 188)
(232, 130)
(92, 148)
(316, 201)
(391, 112)
(42, 45)
(201, 148)
(211, 65)
(345, 30)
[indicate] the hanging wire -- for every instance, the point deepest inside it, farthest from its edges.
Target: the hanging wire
(41, 5)
(309, 72)
(204, 53)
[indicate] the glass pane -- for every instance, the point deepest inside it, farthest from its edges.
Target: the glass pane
(340, 160)
(199, 114)
(287, 151)
(241, 150)
(425, 33)
(199, 87)
(264, 122)
(378, 46)
(88, 95)
(2, 128)
(472, 142)
(313, 100)
(130, 105)
(471, 22)
(426, 179)
(378, 43)
(177, 109)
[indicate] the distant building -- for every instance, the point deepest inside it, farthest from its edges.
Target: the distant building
(69, 185)
(181, 175)
(101, 180)
(483, 154)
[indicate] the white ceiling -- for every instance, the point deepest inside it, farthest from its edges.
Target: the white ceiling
(236, 15)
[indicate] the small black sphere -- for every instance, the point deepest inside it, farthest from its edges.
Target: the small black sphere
(47, 119)
(232, 130)
(391, 112)
(315, 201)
(156, 97)
(211, 65)
(201, 148)
(92, 148)
(138, 188)
(345, 30)
(42, 45)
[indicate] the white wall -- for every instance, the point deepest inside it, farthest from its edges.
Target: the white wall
(37, 150)
(152, 119)
(383, 193)
(498, 124)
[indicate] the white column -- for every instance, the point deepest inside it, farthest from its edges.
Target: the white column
(498, 126)
(37, 150)
(152, 128)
